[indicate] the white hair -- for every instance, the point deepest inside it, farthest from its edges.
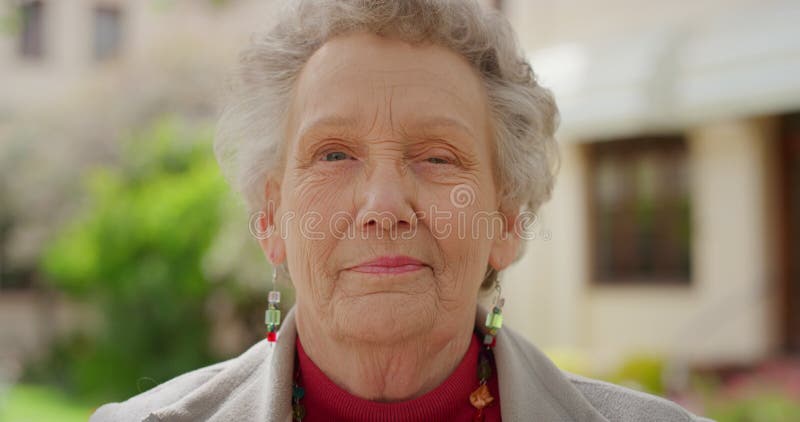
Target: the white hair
(249, 144)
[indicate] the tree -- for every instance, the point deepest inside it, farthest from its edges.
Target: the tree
(136, 253)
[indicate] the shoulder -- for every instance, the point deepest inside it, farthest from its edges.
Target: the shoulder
(138, 408)
(618, 403)
(584, 398)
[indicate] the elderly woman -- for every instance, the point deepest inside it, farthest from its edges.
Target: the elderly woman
(391, 151)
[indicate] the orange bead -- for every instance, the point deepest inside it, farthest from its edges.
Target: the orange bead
(481, 397)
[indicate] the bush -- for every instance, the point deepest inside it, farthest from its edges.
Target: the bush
(764, 406)
(135, 254)
(642, 372)
(37, 403)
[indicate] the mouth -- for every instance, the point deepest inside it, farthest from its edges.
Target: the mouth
(394, 264)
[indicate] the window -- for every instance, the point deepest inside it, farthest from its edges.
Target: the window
(639, 202)
(31, 40)
(107, 32)
(12, 275)
(789, 291)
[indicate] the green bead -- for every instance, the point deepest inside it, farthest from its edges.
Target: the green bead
(298, 392)
(494, 321)
(272, 317)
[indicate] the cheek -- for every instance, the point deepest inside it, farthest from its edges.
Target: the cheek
(458, 218)
(316, 195)
(452, 210)
(312, 200)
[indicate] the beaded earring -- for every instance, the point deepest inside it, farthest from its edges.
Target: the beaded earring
(482, 397)
(272, 317)
(494, 319)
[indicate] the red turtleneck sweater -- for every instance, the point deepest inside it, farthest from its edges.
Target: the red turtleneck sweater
(325, 401)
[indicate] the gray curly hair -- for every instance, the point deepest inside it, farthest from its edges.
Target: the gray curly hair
(249, 143)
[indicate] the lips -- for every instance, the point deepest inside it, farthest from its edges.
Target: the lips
(394, 264)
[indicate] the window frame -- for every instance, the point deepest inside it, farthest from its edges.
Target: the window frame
(98, 55)
(32, 43)
(666, 144)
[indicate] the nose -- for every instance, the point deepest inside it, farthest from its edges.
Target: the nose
(387, 200)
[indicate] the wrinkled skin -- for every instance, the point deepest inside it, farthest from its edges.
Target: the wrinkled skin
(389, 152)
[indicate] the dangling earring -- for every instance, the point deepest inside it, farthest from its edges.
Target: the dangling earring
(494, 319)
(482, 397)
(272, 317)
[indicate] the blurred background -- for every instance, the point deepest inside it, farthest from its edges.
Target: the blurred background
(668, 259)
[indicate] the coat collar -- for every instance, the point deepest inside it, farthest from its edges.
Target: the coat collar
(532, 388)
(257, 385)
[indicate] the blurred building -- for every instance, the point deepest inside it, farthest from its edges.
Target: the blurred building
(49, 47)
(64, 66)
(674, 224)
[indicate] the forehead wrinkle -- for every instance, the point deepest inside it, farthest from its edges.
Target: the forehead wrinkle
(376, 110)
(413, 123)
(465, 107)
(351, 122)
(389, 99)
(433, 91)
(431, 124)
(335, 122)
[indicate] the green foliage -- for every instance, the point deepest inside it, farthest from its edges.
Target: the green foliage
(570, 360)
(751, 397)
(40, 403)
(11, 22)
(642, 372)
(136, 254)
(765, 406)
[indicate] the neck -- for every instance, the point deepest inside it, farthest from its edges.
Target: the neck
(399, 371)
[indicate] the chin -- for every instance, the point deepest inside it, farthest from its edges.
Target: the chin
(385, 318)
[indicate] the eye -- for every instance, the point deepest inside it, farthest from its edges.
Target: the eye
(437, 160)
(335, 156)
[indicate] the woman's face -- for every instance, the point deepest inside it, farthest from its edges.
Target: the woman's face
(387, 209)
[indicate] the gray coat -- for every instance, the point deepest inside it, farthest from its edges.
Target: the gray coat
(256, 386)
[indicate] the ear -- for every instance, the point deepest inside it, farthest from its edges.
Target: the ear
(507, 243)
(268, 223)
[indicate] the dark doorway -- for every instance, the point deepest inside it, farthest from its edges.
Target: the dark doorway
(790, 291)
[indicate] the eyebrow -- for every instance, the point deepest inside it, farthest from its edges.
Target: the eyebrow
(427, 123)
(443, 122)
(332, 122)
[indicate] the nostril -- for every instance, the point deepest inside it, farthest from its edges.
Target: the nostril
(386, 220)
